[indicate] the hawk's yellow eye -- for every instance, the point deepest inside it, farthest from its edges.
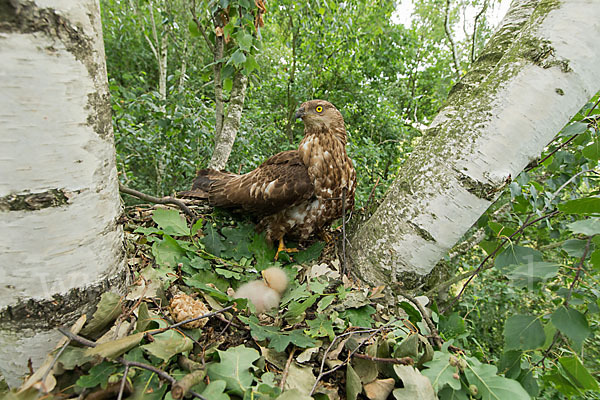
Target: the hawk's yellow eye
(319, 109)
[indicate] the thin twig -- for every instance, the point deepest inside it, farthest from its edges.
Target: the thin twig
(437, 340)
(178, 324)
(579, 269)
(157, 200)
(366, 207)
(54, 362)
(123, 380)
(399, 361)
(286, 370)
(474, 38)
(200, 28)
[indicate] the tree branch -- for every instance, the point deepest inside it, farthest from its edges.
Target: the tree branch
(157, 200)
(449, 36)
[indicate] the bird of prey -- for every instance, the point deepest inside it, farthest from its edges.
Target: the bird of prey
(295, 193)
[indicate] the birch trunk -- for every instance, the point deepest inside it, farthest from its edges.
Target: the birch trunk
(231, 123)
(60, 244)
(537, 71)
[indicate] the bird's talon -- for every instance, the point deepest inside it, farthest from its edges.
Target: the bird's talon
(282, 247)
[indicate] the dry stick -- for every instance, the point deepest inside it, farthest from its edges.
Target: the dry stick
(54, 363)
(323, 374)
(123, 380)
(400, 361)
(159, 372)
(366, 207)
(177, 325)
(182, 387)
(286, 370)
(437, 340)
(157, 200)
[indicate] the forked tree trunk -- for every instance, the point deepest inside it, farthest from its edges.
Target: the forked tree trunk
(536, 72)
(60, 244)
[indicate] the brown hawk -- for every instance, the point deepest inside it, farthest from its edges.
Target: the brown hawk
(295, 193)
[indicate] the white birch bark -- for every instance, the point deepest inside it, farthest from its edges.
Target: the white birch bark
(231, 123)
(537, 71)
(60, 244)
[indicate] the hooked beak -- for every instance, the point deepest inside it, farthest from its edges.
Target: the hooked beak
(300, 113)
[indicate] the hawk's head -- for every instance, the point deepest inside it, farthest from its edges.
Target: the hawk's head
(320, 114)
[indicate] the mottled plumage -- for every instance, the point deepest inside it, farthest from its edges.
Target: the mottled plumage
(296, 192)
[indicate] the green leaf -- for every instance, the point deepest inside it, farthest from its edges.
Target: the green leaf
(107, 310)
(595, 259)
(575, 128)
(578, 373)
(72, 357)
(448, 393)
(452, 325)
(250, 64)
(320, 326)
(295, 309)
(524, 332)
(440, 372)
(572, 323)
(529, 275)
(278, 340)
(168, 344)
(193, 28)
(212, 241)
(144, 319)
(147, 386)
(244, 40)
(592, 151)
(359, 316)
(115, 348)
(215, 390)
(227, 84)
(574, 247)
(237, 241)
(413, 314)
(416, 386)
(171, 222)
(168, 252)
(262, 251)
(97, 375)
(509, 363)
(515, 255)
(234, 368)
(492, 386)
(197, 227)
(588, 227)
(296, 337)
(325, 302)
(310, 254)
(238, 58)
(353, 384)
(584, 206)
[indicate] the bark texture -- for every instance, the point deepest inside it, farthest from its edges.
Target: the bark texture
(231, 123)
(536, 72)
(60, 244)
